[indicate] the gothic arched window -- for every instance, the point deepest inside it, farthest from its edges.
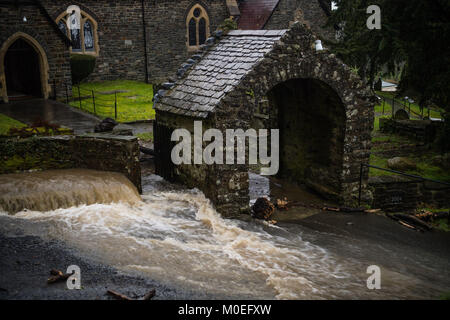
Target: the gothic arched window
(197, 24)
(81, 28)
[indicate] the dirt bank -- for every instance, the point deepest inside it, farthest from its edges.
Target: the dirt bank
(25, 262)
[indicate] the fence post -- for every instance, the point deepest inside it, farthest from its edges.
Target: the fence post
(79, 97)
(115, 105)
(93, 101)
(384, 101)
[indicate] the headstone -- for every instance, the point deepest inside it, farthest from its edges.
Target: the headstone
(401, 115)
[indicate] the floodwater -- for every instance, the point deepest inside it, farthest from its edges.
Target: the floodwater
(175, 236)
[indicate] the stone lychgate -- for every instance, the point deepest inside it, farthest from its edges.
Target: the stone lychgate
(274, 79)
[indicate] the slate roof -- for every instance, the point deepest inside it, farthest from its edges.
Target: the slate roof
(256, 13)
(219, 71)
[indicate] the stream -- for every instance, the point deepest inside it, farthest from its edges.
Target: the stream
(175, 236)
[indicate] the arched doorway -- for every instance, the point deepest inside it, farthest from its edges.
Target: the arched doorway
(312, 121)
(23, 68)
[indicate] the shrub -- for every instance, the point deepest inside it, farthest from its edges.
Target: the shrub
(82, 66)
(228, 25)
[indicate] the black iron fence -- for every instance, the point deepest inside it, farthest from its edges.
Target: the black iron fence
(405, 104)
(91, 101)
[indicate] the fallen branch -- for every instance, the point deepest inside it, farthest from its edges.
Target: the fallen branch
(413, 220)
(286, 205)
(118, 296)
(406, 225)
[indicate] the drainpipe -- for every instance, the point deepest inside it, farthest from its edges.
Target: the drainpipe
(144, 24)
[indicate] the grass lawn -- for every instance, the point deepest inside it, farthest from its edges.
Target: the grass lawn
(384, 142)
(425, 167)
(146, 137)
(134, 99)
(7, 123)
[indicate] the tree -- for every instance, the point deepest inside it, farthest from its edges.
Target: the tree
(413, 32)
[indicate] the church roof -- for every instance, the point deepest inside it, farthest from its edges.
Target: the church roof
(256, 13)
(220, 70)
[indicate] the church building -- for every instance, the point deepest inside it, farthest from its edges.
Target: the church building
(143, 40)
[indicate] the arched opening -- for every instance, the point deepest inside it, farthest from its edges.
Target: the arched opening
(22, 70)
(311, 118)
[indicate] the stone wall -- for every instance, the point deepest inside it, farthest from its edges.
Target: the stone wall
(397, 193)
(202, 176)
(94, 151)
(424, 131)
(121, 34)
(41, 30)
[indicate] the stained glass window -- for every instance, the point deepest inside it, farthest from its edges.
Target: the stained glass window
(81, 29)
(88, 36)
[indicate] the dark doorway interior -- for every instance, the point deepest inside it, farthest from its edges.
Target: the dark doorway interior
(22, 71)
(311, 118)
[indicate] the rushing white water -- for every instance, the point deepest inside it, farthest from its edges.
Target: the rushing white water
(177, 237)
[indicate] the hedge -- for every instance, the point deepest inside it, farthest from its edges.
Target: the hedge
(82, 66)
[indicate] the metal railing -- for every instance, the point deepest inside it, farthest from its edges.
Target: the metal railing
(397, 104)
(91, 101)
(396, 172)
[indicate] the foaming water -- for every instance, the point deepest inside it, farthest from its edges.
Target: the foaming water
(176, 237)
(54, 189)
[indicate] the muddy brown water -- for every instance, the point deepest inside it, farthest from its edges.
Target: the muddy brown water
(175, 236)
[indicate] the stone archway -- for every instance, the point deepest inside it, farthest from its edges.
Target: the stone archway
(311, 119)
(41, 59)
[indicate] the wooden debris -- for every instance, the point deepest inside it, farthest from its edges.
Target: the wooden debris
(118, 296)
(412, 220)
(286, 205)
(57, 276)
(331, 209)
(372, 211)
(406, 225)
(429, 216)
(282, 204)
